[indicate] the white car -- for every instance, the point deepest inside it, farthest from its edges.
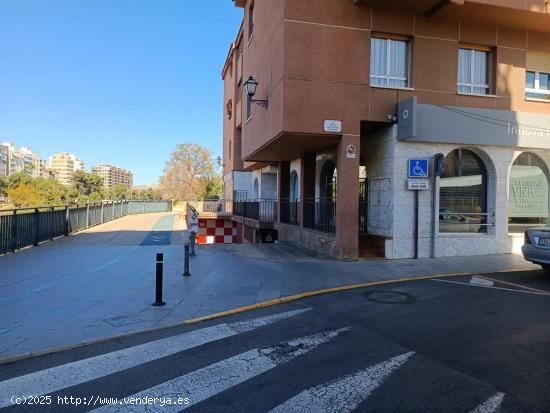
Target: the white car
(536, 247)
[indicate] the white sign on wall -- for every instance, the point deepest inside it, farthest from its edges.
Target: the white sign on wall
(351, 151)
(418, 184)
(332, 126)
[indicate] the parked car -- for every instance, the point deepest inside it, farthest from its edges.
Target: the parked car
(536, 246)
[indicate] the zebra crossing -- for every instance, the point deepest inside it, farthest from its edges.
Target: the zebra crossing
(220, 377)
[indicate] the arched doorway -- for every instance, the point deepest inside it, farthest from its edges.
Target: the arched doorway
(328, 181)
(256, 191)
(528, 199)
(463, 193)
(294, 186)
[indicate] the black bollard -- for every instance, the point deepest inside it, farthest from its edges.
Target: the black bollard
(158, 294)
(192, 239)
(186, 272)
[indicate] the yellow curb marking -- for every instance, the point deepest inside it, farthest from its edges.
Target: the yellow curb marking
(536, 290)
(314, 293)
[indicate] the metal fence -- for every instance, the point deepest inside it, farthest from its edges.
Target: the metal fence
(264, 210)
(320, 214)
(24, 227)
(289, 211)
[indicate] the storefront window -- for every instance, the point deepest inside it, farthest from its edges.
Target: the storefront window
(463, 194)
(528, 193)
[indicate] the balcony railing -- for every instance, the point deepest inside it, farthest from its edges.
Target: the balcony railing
(320, 214)
(289, 211)
(263, 210)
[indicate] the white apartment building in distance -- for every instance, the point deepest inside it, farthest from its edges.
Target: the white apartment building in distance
(14, 160)
(63, 166)
(113, 175)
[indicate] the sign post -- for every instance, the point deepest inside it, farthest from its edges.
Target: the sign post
(418, 174)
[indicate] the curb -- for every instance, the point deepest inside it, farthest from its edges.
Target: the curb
(238, 310)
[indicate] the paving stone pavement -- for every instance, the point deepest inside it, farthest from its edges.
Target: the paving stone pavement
(100, 282)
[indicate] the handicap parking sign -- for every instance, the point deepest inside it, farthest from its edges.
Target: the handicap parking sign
(418, 168)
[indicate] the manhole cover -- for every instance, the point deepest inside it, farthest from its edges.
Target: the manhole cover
(389, 297)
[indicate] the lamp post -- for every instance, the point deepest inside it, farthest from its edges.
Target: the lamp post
(250, 88)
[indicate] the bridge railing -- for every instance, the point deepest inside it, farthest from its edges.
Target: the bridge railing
(24, 227)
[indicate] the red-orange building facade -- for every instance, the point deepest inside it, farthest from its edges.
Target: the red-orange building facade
(396, 81)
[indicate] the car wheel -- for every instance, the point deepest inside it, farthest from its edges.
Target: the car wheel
(546, 268)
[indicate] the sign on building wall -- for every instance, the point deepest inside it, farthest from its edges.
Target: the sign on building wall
(528, 192)
(418, 168)
(332, 126)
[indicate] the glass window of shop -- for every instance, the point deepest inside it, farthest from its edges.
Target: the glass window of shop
(463, 194)
(528, 193)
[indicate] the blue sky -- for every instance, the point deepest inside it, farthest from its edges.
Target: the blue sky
(114, 81)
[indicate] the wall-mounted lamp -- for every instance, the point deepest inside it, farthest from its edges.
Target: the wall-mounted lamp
(250, 89)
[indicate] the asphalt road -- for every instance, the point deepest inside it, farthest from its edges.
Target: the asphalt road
(460, 344)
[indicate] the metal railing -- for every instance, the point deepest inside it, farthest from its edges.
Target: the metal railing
(464, 222)
(24, 227)
(289, 211)
(320, 214)
(263, 210)
(217, 206)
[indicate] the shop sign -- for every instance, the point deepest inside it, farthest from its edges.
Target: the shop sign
(528, 192)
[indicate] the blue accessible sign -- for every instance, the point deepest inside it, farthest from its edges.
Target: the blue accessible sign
(418, 168)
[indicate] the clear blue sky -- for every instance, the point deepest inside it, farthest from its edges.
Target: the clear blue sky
(114, 81)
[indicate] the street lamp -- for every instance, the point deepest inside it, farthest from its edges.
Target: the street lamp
(250, 88)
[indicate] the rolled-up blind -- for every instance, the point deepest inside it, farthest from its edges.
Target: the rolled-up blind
(538, 62)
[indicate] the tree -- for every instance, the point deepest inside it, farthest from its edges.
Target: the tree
(119, 192)
(3, 186)
(50, 192)
(24, 195)
(19, 178)
(87, 184)
(190, 173)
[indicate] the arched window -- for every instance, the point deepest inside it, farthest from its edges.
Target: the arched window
(256, 189)
(463, 193)
(528, 193)
(294, 186)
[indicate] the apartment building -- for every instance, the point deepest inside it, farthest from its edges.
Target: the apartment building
(14, 160)
(63, 166)
(397, 128)
(113, 175)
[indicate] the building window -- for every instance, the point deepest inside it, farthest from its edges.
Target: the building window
(528, 193)
(229, 149)
(389, 62)
(251, 20)
(537, 85)
(474, 71)
(463, 193)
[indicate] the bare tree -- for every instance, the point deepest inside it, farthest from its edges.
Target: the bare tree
(189, 173)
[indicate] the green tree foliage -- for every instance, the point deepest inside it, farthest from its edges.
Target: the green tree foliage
(3, 186)
(119, 192)
(87, 187)
(190, 174)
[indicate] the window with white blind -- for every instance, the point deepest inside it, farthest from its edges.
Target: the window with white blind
(474, 71)
(389, 62)
(537, 77)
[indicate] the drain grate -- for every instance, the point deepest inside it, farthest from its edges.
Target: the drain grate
(122, 321)
(389, 297)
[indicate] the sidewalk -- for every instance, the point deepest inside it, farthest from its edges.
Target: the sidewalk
(100, 283)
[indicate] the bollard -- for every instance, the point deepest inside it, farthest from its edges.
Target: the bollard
(192, 238)
(158, 295)
(186, 272)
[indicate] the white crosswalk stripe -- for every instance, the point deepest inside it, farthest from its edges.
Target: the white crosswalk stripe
(345, 394)
(70, 374)
(491, 405)
(215, 378)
